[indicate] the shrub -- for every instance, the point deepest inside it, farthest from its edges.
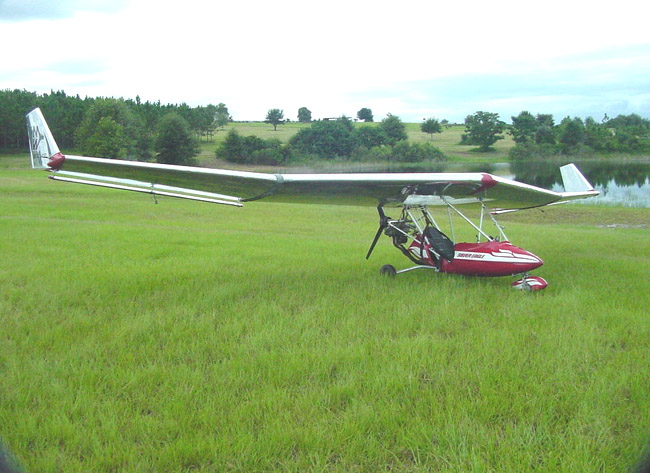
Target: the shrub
(405, 152)
(252, 150)
(268, 156)
(326, 139)
(373, 154)
(370, 136)
(532, 151)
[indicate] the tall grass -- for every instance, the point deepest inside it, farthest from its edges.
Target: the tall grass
(188, 337)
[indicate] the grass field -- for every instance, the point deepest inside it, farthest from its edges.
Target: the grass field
(447, 141)
(188, 337)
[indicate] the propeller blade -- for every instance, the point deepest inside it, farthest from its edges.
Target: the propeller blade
(374, 242)
(383, 223)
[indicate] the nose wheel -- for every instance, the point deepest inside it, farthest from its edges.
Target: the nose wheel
(529, 283)
(388, 270)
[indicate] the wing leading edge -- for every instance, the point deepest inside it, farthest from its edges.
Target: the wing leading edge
(234, 187)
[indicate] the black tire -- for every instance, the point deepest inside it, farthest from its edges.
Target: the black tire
(388, 270)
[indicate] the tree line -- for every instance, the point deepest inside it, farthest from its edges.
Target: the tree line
(329, 140)
(147, 131)
(108, 127)
(537, 136)
(132, 129)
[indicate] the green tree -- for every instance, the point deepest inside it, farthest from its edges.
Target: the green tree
(483, 129)
(174, 141)
(275, 117)
(346, 121)
(325, 139)
(107, 139)
(131, 129)
(221, 116)
(370, 136)
(545, 119)
(394, 129)
(431, 126)
(571, 134)
(629, 133)
(14, 104)
(523, 127)
(365, 114)
(622, 121)
(251, 149)
(203, 120)
(64, 114)
(597, 135)
(304, 115)
(544, 133)
(231, 149)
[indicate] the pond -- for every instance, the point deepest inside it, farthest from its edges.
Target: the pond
(621, 182)
(624, 183)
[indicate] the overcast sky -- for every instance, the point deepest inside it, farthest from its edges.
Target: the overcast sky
(414, 59)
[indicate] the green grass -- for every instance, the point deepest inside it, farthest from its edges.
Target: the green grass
(447, 141)
(188, 337)
(264, 130)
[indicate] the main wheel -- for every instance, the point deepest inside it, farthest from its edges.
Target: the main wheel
(388, 270)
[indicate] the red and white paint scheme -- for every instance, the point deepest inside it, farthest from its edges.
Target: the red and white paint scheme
(429, 248)
(530, 283)
(491, 258)
(416, 233)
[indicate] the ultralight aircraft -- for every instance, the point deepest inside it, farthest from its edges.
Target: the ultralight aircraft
(416, 233)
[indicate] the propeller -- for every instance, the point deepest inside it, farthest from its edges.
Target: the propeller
(383, 223)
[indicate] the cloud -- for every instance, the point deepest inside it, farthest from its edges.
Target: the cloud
(25, 10)
(412, 60)
(75, 76)
(612, 81)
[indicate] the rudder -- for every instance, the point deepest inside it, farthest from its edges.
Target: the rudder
(573, 179)
(42, 147)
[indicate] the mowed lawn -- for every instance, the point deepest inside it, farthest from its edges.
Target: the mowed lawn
(184, 336)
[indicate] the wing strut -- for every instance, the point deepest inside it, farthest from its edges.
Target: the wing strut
(144, 190)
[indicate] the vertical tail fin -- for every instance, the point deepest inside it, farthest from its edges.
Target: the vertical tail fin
(43, 149)
(573, 179)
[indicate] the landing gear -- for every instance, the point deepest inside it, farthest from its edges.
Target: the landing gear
(418, 237)
(389, 269)
(529, 283)
(428, 244)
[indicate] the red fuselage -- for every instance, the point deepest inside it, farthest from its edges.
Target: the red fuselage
(492, 258)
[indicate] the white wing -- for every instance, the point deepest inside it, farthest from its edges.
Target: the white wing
(234, 187)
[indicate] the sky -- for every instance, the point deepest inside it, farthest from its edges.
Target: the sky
(414, 59)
